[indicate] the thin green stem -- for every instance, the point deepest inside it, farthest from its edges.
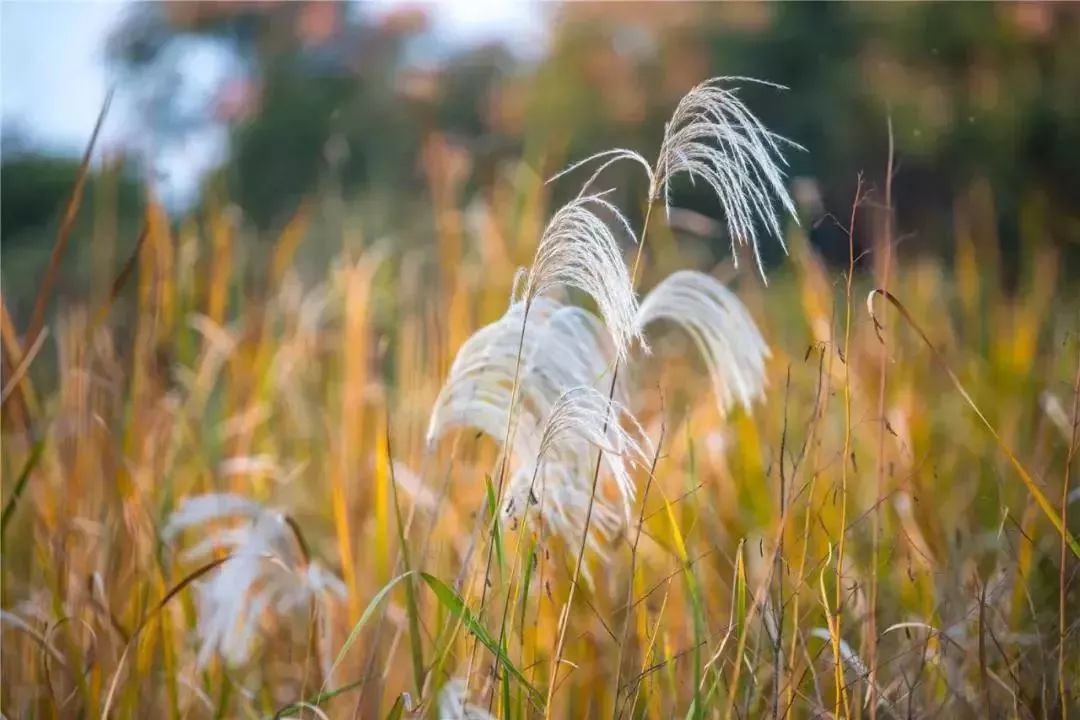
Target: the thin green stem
(510, 428)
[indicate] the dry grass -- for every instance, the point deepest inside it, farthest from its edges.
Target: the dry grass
(858, 544)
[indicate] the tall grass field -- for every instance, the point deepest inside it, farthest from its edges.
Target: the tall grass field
(551, 461)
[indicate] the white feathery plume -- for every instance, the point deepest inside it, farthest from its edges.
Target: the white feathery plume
(478, 388)
(454, 703)
(558, 483)
(564, 346)
(609, 157)
(713, 136)
(572, 348)
(583, 419)
(720, 326)
(267, 571)
(560, 493)
(578, 249)
(535, 369)
(204, 508)
(563, 416)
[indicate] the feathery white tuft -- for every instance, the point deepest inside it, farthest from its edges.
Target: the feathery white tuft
(202, 509)
(584, 417)
(720, 326)
(573, 348)
(559, 492)
(558, 484)
(454, 703)
(266, 572)
(579, 249)
(478, 389)
(561, 414)
(712, 136)
(562, 347)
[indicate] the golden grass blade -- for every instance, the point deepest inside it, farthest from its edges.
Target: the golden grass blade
(16, 415)
(20, 485)
(124, 275)
(24, 365)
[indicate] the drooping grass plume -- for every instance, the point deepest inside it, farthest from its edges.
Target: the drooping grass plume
(478, 388)
(720, 327)
(268, 571)
(567, 358)
(562, 416)
(574, 348)
(579, 249)
(583, 416)
(712, 136)
(559, 493)
(563, 347)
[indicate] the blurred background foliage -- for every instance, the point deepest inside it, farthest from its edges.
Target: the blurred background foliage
(322, 100)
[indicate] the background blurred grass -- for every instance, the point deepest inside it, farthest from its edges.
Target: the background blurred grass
(304, 339)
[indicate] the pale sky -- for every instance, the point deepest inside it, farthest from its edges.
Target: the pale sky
(52, 72)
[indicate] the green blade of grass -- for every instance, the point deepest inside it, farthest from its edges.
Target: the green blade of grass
(398, 709)
(415, 646)
(20, 485)
(505, 695)
(496, 538)
(453, 603)
(322, 697)
(496, 533)
(368, 612)
(530, 566)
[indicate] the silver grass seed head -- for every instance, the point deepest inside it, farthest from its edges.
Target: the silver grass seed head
(712, 136)
(720, 326)
(265, 573)
(579, 249)
(563, 346)
(554, 492)
(478, 388)
(583, 421)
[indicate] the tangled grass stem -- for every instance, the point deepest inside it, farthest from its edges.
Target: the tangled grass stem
(1052, 514)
